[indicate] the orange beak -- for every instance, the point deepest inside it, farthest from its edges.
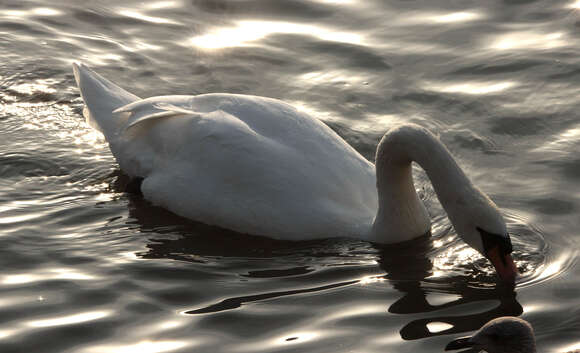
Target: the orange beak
(504, 266)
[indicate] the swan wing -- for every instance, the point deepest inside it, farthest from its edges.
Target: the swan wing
(142, 111)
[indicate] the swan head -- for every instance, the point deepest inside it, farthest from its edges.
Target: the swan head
(480, 224)
(501, 335)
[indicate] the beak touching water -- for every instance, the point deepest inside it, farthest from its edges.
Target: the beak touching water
(498, 249)
(504, 266)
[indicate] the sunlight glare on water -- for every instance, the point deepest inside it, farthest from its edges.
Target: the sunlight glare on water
(567, 138)
(164, 4)
(49, 274)
(435, 327)
(140, 347)
(246, 32)
(529, 40)
(38, 11)
(570, 348)
(338, 2)
(70, 319)
(418, 18)
(146, 18)
(471, 87)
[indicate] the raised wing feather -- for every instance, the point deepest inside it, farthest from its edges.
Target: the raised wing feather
(143, 110)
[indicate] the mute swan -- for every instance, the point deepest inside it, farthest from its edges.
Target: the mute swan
(502, 335)
(257, 165)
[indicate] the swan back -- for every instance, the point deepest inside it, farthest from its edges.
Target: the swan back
(251, 164)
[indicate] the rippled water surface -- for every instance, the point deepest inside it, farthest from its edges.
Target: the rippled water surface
(85, 267)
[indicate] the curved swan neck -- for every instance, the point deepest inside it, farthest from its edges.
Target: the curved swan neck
(401, 215)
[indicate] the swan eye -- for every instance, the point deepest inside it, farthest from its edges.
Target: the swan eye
(491, 240)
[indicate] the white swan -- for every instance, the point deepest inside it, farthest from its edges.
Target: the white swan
(502, 335)
(259, 166)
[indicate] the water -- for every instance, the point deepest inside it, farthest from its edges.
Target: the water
(85, 267)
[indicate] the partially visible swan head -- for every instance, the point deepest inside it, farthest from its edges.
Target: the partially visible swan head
(481, 225)
(502, 335)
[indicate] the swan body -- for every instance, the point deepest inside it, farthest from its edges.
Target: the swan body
(257, 165)
(506, 334)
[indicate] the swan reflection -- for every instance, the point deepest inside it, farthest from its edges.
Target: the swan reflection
(408, 267)
(412, 276)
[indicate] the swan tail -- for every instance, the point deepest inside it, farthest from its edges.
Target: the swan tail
(101, 98)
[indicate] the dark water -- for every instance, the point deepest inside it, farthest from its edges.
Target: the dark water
(85, 267)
